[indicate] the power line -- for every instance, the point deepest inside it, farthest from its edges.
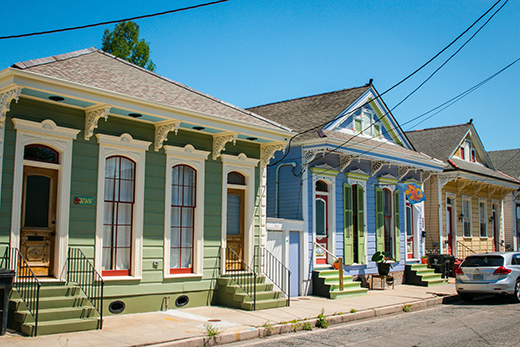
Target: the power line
(112, 21)
(395, 85)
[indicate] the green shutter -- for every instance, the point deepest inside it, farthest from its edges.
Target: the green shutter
(397, 228)
(361, 224)
(357, 125)
(380, 229)
(348, 237)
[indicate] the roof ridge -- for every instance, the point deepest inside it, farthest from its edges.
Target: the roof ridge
(309, 96)
(439, 127)
(53, 58)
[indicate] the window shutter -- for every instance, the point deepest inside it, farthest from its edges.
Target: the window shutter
(357, 125)
(348, 237)
(380, 231)
(397, 226)
(361, 224)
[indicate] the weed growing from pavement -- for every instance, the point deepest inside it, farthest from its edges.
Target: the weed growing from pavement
(268, 328)
(322, 322)
(296, 325)
(353, 310)
(407, 308)
(212, 331)
(307, 326)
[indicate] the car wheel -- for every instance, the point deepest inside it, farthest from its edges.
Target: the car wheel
(466, 297)
(516, 296)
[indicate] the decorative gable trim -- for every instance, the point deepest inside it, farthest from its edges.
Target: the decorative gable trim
(92, 116)
(220, 141)
(6, 96)
(162, 130)
(267, 151)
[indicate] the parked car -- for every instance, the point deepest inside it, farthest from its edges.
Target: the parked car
(489, 273)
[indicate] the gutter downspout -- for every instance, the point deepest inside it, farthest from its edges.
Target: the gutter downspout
(293, 164)
(441, 231)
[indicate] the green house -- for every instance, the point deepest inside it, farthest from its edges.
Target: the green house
(110, 173)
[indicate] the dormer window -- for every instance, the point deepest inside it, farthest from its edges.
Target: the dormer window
(467, 152)
(462, 152)
(364, 124)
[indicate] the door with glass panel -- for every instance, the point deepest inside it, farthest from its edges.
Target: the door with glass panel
(38, 225)
(235, 228)
(119, 201)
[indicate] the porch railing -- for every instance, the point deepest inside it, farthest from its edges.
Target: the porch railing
(238, 271)
(339, 260)
(274, 270)
(82, 272)
(463, 251)
(25, 282)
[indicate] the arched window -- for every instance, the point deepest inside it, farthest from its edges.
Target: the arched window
(41, 153)
(321, 186)
(119, 200)
(236, 178)
(183, 202)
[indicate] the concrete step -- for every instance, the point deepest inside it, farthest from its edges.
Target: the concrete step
(268, 295)
(337, 294)
(50, 302)
(52, 291)
(56, 314)
(263, 304)
(61, 326)
(260, 287)
(223, 281)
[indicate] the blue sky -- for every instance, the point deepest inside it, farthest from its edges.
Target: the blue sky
(250, 53)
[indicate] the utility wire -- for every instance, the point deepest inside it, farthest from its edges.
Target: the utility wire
(391, 88)
(112, 21)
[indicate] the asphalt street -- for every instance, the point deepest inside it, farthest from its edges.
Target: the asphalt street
(487, 321)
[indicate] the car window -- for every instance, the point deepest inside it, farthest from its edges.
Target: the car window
(485, 260)
(515, 260)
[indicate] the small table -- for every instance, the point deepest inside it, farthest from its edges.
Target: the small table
(383, 278)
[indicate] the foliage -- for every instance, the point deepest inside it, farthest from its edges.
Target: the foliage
(353, 310)
(123, 42)
(407, 308)
(322, 323)
(307, 326)
(268, 328)
(382, 257)
(424, 256)
(212, 331)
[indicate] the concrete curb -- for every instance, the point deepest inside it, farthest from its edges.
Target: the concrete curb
(278, 329)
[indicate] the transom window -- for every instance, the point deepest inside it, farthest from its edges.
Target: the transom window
(119, 200)
(183, 203)
(321, 186)
(236, 178)
(41, 153)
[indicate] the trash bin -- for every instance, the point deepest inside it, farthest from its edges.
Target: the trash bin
(442, 263)
(6, 284)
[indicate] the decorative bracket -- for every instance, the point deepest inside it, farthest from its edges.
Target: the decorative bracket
(92, 115)
(310, 155)
(477, 187)
(6, 96)
(403, 171)
(344, 161)
(376, 166)
(425, 175)
(461, 184)
(162, 130)
(492, 189)
(445, 179)
(220, 140)
(267, 151)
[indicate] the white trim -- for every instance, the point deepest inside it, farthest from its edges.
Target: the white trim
(60, 139)
(467, 198)
(135, 150)
(485, 218)
(454, 221)
(331, 213)
(186, 155)
(246, 167)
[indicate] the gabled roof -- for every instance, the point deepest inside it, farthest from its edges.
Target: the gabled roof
(507, 161)
(311, 111)
(95, 68)
(439, 142)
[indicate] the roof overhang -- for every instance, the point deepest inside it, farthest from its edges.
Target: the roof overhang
(461, 174)
(40, 87)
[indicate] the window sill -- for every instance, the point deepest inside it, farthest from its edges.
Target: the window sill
(121, 278)
(186, 275)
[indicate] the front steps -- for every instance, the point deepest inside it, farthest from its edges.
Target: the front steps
(421, 275)
(62, 308)
(230, 294)
(325, 283)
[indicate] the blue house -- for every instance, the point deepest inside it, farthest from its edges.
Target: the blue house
(339, 179)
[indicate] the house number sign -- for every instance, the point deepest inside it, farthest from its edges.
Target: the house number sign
(82, 200)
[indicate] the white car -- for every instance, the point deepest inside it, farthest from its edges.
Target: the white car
(489, 273)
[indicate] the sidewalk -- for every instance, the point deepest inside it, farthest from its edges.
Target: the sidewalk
(185, 327)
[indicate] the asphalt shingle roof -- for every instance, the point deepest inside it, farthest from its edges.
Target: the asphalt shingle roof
(438, 142)
(507, 161)
(310, 111)
(95, 68)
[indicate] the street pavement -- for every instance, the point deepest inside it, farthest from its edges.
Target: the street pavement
(188, 326)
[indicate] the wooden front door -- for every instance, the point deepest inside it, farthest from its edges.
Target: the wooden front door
(322, 228)
(38, 226)
(235, 228)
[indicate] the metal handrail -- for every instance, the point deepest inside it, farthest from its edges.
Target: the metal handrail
(25, 282)
(82, 272)
(464, 249)
(276, 271)
(241, 274)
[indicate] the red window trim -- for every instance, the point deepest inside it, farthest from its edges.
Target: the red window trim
(462, 152)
